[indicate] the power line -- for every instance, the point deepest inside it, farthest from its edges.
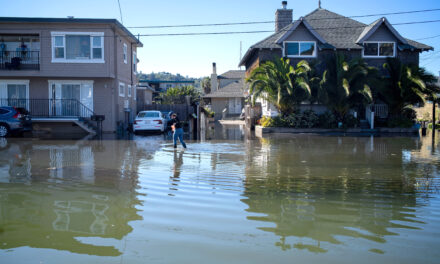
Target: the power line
(267, 22)
(436, 36)
(120, 12)
(240, 32)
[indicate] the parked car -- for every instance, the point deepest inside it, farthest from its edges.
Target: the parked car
(14, 120)
(149, 121)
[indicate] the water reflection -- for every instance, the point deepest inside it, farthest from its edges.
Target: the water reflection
(56, 192)
(302, 198)
(322, 189)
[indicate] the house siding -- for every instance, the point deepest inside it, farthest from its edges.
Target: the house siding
(382, 34)
(301, 33)
(105, 76)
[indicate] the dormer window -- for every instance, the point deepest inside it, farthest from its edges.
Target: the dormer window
(299, 49)
(379, 49)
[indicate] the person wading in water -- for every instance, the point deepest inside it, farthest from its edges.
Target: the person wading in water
(176, 126)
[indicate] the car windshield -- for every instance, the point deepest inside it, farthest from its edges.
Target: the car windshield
(148, 114)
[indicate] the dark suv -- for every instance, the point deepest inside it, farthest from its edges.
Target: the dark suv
(14, 120)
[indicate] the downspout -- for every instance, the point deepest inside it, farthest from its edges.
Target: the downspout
(115, 106)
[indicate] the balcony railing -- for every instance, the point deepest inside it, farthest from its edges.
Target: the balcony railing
(19, 60)
(51, 108)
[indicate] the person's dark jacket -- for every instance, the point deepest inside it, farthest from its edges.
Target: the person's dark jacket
(175, 121)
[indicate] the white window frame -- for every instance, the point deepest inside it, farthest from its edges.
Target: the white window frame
(121, 94)
(64, 60)
(4, 88)
(378, 50)
(125, 53)
(134, 58)
(129, 90)
(73, 82)
(314, 55)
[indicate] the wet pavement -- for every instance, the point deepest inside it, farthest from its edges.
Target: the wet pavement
(229, 198)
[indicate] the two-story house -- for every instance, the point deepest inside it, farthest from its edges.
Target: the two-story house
(64, 70)
(319, 34)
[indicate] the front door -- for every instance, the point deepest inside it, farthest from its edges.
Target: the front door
(234, 105)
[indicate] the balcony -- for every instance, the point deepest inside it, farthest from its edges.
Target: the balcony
(19, 60)
(19, 52)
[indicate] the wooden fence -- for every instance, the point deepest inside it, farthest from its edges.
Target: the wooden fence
(182, 110)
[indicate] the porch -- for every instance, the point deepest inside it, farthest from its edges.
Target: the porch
(19, 52)
(56, 111)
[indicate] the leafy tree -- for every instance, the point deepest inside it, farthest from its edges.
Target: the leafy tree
(403, 86)
(177, 95)
(281, 84)
(206, 85)
(346, 85)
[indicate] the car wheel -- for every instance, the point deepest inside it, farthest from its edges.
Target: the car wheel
(4, 130)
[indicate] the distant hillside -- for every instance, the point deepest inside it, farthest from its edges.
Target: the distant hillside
(166, 76)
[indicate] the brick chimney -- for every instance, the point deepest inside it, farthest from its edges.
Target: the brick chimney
(283, 17)
(214, 80)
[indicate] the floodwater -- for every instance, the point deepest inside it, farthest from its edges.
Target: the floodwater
(295, 199)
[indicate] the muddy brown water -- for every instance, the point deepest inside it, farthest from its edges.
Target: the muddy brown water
(295, 199)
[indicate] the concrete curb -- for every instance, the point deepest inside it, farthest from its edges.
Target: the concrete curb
(262, 131)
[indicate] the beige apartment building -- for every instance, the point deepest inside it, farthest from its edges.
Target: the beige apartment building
(65, 70)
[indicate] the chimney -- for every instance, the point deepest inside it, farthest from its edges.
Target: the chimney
(283, 17)
(214, 80)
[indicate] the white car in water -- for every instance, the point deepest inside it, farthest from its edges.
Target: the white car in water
(149, 121)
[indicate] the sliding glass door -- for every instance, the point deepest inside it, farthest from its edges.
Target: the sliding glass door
(70, 98)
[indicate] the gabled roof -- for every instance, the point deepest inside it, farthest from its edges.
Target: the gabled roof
(295, 26)
(370, 29)
(234, 89)
(234, 74)
(336, 32)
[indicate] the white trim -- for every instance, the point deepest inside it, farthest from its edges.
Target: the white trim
(315, 51)
(63, 33)
(125, 53)
(6, 81)
(378, 50)
(71, 81)
(129, 92)
(64, 60)
(119, 89)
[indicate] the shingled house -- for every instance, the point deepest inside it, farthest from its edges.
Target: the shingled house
(228, 91)
(321, 33)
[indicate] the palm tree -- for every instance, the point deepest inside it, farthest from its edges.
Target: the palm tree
(346, 86)
(280, 84)
(403, 87)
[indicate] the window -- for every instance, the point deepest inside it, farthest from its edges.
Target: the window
(134, 63)
(129, 90)
(299, 49)
(379, 49)
(124, 48)
(122, 89)
(149, 114)
(78, 47)
(14, 93)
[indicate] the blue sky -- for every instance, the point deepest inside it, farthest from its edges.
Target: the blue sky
(193, 55)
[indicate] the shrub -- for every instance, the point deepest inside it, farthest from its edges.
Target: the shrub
(400, 122)
(327, 120)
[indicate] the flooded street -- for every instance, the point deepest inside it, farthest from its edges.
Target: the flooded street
(232, 199)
